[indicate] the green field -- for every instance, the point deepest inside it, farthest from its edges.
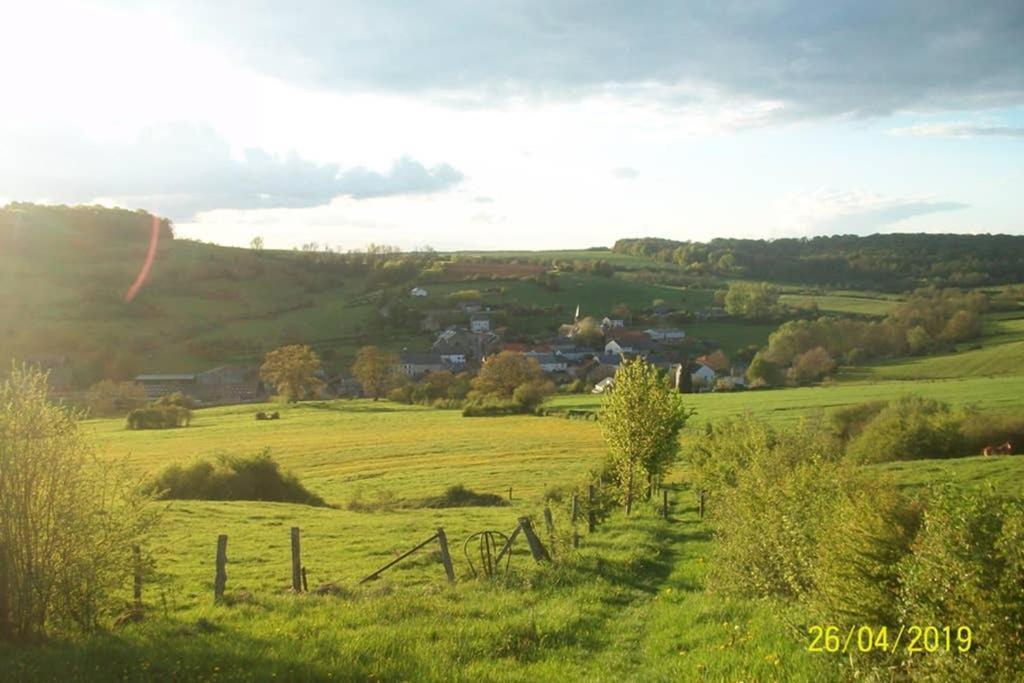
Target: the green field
(841, 304)
(630, 600)
(999, 353)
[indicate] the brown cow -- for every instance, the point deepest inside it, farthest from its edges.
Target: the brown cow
(1003, 449)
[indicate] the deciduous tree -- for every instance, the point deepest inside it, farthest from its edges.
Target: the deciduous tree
(376, 370)
(641, 418)
(292, 370)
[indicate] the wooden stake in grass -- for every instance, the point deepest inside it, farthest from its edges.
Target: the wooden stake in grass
(137, 568)
(536, 547)
(664, 503)
(296, 562)
(221, 579)
(446, 558)
(549, 523)
(591, 514)
(700, 504)
(575, 509)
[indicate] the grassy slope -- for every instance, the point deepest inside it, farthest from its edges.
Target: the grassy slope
(1001, 353)
(787, 405)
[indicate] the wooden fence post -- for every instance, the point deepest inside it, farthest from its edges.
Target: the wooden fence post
(137, 569)
(221, 579)
(536, 547)
(575, 517)
(664, 503)
(510, 493)
(591, 514)
(446, 558)
(549, 523)
(700, 504)
(296, 562)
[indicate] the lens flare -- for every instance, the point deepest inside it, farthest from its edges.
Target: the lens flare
(154, 239)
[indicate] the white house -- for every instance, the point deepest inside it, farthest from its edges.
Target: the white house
(619, 346)
(455, 359)
(665, 334)
(480, 323)
(417, 291)
(604, 385)
(611, 323)
(703, 376)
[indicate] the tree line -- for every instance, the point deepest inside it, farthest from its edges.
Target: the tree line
(895, 262)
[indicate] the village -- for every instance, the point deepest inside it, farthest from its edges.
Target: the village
(581, 356)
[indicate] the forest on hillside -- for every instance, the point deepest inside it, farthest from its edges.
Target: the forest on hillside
(894, 262)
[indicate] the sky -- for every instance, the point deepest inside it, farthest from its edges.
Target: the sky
(519, 125)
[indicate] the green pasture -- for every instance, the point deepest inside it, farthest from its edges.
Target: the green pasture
(629, 604)
(1000, 352)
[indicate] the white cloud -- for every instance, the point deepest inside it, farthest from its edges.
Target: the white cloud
(181, 170)
(835, 212)
(960, 130)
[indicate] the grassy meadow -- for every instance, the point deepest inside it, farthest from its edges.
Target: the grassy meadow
(628, 604)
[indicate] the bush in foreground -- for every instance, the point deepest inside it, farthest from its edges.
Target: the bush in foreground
(258, 477)
(67, 521)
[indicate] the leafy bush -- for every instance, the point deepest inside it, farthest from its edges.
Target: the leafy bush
(234, 478)
(909, 428)
(494, 408)
(856, 570)
(159, 417)
(459, 496)
(967, 569)
(67, 520)
(849, 421)
(771, 493)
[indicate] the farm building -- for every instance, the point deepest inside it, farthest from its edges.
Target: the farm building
(164, 384)
(604, 385)
(221, 385)
(549, 362)
(417, 291)
(415, 365)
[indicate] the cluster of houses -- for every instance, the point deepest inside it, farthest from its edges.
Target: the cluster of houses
(565, 358)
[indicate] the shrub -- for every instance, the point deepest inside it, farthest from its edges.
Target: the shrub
(909, 428)
(67, 519)
(494, 408)
(459, 496)
(234, 478)
(159, 417)
(967, 569)
(856, 571)
(849, 421)
(771, 493)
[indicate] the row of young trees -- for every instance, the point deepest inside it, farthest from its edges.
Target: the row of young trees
(929, 320)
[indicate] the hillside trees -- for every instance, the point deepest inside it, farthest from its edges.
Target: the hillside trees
(641, 419)
(376, 370)
(292, 370)
(752, 300)
(66, 520)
